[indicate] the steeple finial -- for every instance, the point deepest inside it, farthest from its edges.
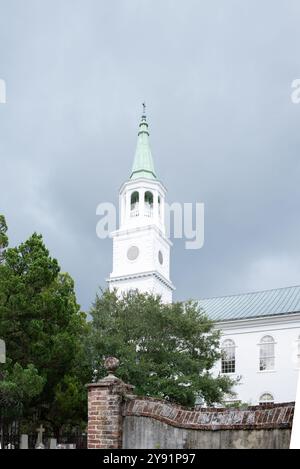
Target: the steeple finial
(144, 108)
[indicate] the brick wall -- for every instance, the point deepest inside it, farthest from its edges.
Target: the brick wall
(150, 422)
(267, 416)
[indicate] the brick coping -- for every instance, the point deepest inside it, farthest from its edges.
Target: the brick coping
(266, 416)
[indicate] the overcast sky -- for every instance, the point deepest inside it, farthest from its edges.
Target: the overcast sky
(216, 76)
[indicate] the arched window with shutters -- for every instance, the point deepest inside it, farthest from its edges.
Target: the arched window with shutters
(266, 398)
(267, 353)
(228, 356)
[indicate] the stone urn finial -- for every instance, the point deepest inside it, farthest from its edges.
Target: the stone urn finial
(111, 364)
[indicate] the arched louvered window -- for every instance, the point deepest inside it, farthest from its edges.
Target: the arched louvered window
(148, 212)
(134, 204)
(228, 356)
(149, 199)
(134, 199)
(266, 398)
(267, 353)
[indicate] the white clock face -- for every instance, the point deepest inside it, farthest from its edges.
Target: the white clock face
(160, 257)
(133, 253)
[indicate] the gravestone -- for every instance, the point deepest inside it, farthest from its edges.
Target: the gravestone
(39, 442)
(24, 442)
(10, 446)
(53, 443)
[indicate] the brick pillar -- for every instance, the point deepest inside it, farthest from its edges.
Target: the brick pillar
(105, 400)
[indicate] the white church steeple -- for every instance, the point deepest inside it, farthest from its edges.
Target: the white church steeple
(141, 251)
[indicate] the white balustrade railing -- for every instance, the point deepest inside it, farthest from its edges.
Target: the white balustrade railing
(134, 213)
(148, 212)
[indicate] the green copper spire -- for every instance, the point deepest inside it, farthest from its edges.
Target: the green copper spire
(143, 166)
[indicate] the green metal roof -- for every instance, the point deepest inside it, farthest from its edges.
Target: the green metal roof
(143, 166)
(253, 305)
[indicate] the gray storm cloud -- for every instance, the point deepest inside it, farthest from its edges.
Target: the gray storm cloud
(216, 77)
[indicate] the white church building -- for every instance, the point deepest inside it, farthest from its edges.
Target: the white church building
(260, 341)
(260, 330)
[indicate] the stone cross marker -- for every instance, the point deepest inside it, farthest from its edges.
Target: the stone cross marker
(39, 441)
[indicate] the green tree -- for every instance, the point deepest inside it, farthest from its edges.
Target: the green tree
(17, 387)
(165, 350)
(70, 403)
(42, 325)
